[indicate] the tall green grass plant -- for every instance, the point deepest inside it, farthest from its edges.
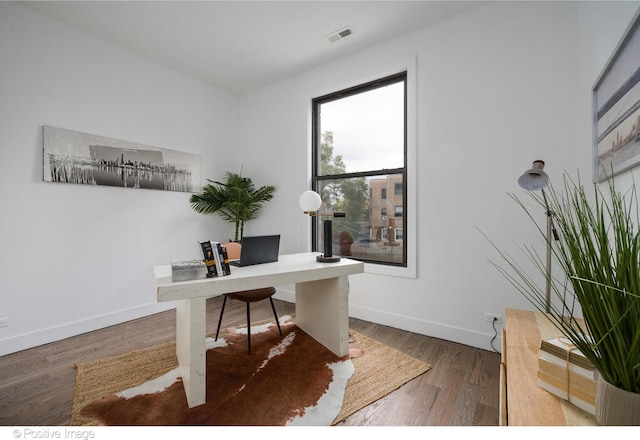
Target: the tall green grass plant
(599, 254)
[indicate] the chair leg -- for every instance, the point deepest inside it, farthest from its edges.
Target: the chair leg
(273, 307)
(249, 328)
(224, 302)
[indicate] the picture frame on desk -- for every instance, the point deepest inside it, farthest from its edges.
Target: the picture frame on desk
(616, 108)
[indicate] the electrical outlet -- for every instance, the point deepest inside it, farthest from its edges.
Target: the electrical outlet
(4, 322)
(490, 317)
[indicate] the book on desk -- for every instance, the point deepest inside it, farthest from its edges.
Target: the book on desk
(216, 258)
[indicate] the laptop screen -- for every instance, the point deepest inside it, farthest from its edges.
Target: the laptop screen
(258, 249)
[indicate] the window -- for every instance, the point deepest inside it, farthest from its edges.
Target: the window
(359, 160)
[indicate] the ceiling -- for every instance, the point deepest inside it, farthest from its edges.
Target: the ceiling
(240, 46)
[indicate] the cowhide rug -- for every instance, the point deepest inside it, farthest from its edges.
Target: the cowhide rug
(287, 380)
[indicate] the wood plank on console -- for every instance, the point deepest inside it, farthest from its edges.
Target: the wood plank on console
(528, 404)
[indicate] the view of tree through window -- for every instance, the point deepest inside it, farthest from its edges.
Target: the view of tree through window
(359, 168)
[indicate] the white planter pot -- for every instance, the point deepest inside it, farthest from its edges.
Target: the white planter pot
(615, 406)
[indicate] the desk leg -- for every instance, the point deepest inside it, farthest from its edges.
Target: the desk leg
(191, 349)
(322, 311)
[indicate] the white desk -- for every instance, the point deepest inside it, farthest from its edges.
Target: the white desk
(322, 306)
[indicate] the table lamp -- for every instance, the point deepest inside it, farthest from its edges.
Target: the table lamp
(536, 179)
(310, 202)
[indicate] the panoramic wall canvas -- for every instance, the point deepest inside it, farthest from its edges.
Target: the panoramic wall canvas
(616, 104)
(73, 157)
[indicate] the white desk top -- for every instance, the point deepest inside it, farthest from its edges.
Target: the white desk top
(289, 269)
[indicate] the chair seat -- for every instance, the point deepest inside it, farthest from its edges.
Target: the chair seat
(253, 295)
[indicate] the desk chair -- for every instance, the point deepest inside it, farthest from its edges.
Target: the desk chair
(247, 296)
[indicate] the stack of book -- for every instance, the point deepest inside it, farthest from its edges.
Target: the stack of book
(564, 371)
(216, 259)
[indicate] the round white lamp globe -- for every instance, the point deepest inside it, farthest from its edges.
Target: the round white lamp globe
(310, 201)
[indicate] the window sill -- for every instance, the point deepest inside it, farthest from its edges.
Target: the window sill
(381, 269)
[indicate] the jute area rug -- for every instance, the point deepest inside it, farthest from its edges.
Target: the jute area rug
(377, 370)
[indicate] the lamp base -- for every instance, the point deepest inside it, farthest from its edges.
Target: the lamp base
(323, 259)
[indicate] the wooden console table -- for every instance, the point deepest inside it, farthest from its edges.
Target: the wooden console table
(322, 306)
(523, 402)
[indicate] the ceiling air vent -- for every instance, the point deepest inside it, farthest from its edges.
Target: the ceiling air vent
(339, 35)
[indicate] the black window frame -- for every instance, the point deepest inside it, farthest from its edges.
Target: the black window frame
(315, 162)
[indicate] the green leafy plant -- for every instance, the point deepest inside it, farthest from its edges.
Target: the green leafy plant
(236, 200)
(599, 254)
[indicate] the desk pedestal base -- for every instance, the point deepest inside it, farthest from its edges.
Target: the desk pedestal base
(191, 348)
(322, 311)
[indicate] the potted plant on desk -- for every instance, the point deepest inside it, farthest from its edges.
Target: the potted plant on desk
(236, 200)
(598, 250)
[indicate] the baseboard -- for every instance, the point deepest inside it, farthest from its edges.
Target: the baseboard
(285, 293)
(439, 330)
(428, 328)
(56, 333)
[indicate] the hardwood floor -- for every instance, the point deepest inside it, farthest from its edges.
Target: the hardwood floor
(461, 389)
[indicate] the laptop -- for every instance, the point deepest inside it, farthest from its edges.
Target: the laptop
(257, 250)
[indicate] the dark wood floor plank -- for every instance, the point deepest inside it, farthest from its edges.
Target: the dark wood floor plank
(462, 388)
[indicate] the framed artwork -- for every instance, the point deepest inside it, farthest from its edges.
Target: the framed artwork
(616, 108)
(73, 157)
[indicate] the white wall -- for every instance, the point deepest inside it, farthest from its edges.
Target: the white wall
(498, 87)
(77, 257)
